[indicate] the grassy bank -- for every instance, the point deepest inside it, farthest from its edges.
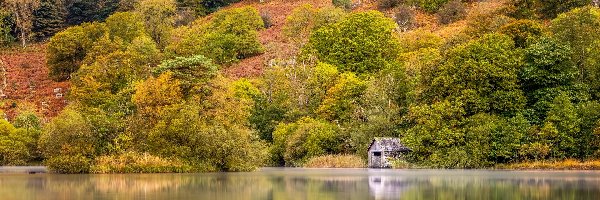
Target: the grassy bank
(336, 161)
(569, 164)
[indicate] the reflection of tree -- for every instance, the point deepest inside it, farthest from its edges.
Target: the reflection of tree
(303, 184)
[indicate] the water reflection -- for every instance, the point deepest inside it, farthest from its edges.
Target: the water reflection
(300, 184)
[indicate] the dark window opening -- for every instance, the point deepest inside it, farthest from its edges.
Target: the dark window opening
(377, 153)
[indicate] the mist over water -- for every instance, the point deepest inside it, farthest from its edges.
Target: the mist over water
(291, 183)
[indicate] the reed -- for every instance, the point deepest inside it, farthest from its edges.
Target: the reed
(336, 161)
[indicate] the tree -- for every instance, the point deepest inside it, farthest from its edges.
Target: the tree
(22, 11)
(14, 144)
(228, 36)
(548, 71)
(578, 29)
(192, 72)
(124, 25)
(67, 49)
(549, 9)
(306, 138)
(49, 18)
(361, 43)
(481, 76)
(304, 19)
(522, 31)
(563, 115)
(68, 142)
(6, 24)
(158, 17)
(342, 98)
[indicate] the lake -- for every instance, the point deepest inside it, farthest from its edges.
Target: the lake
(294, 183)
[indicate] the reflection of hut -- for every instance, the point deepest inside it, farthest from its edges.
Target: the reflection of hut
(382, 149)
(387, 187)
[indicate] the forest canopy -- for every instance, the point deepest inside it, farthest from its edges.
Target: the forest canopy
(517, 81)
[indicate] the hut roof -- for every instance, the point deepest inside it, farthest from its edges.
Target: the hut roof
(389, 144)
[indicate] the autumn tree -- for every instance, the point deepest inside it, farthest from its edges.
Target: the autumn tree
(22, 11)
(158, 17)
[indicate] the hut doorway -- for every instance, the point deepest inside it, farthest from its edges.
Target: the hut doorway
(376, 158)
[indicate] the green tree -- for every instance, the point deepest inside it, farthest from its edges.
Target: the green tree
(306, 138)
(481, 76)
(6, 24)
(578, 29)
(362, 42)
(22, 11)
(342, 98)
(48, 19)
(192, 72)
(551, 8)
(563, 115)
(14, 144)
(304, 19)
(228, 36)
(124, 25)
(68, 142)
(67, 49)
(158, 17)
(548, 70)
(522, 31)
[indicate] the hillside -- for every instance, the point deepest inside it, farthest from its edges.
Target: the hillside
(27, 83)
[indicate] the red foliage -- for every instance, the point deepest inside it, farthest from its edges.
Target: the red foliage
(27, 82)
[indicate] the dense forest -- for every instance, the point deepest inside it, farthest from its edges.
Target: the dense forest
(464, 84)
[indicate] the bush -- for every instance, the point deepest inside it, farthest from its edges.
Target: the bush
(266, 18)
(69, 164)
(304, 19)
(387, 4)
(430, 6)
(451, 12)
(345, 4)
(405, 18)
(17, 145)
(306, 138)
(335, 161)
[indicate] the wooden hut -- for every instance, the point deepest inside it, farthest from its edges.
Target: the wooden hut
(383, 149)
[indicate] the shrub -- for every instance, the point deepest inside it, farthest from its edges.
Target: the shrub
(345, 4)
(304, 19)
(335, 161)
(306, 138)
(430, 6)
(14, 144)
(69, 164)
(405, 18)
(387, 4)
(266, 18)
(451, 12)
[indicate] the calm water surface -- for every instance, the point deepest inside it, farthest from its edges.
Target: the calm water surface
(287, 183)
